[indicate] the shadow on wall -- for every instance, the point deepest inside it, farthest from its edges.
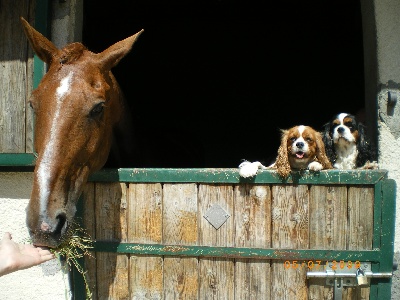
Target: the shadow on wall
(212, 82)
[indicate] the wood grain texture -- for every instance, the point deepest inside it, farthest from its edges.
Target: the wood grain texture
(89, 223)
(290, 229)
(15, 78)
(360, 235)
(264, 216)
(112, 269)
(181, 278)
(145, 226)
(252, 211)
(216, 274)
(328, 230)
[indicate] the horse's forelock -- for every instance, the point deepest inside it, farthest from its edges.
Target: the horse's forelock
(71, 53)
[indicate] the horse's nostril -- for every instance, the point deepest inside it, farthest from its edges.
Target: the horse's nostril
(62, 219)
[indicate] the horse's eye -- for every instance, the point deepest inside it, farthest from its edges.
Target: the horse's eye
(97, 110)
(31, 104)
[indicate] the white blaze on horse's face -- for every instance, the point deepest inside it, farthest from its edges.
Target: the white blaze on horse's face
(44, 172)
(64, 87)
(77, 106)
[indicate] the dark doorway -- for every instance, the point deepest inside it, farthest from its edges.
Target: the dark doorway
(212, 82)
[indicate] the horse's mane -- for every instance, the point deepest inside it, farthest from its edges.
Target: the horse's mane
(71, 53)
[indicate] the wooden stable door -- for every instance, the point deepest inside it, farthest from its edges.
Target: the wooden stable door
(207, 234)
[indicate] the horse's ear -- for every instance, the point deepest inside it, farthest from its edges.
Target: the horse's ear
(43, 48)
(113, 54)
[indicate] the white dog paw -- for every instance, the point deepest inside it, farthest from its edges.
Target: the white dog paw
(373, 165)
(249, 169)
(315, 166)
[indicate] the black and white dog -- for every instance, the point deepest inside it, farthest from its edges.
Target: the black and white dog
(347, 145)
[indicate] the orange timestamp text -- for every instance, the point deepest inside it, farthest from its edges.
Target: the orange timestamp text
(320, 264)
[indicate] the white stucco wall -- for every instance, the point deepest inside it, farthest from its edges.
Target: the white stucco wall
(48, 281)
(387, 24)
(389, 159)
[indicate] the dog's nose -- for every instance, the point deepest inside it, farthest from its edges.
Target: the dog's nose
(300, 145)
(340, 129)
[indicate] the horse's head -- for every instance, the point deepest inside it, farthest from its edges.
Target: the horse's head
(77, 105)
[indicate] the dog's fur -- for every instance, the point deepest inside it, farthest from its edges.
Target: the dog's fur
(301, 148)
(347, 145)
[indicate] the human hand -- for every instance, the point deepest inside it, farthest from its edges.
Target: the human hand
(14, 256)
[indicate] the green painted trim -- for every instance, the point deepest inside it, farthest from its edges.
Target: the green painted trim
(378, 203)
(41, 24)
(364, 177)
(231, 252)
(383, 287)
(42, 16)
(17, 159)
(384, 224)
(388, 223)
(77, 280)
(210, 175)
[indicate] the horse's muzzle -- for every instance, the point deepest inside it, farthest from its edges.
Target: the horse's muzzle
(50, 235)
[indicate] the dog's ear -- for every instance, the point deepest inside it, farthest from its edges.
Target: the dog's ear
(321, 153)
(328, 142)
(366, 151)
(327, 133)
(362, 139)
(282, 160)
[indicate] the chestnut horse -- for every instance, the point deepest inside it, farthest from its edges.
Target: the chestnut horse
(79, 118)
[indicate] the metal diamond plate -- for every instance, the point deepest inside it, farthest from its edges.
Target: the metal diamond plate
(216, 216)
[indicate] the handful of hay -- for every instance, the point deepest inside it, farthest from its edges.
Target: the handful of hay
(75, 246)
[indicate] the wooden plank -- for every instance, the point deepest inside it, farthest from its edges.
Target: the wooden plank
(361, 209)
(180, 227)
(89, 223)
(328, 230)
(181, 279)
(216, 275)
(13, 76)
(290, 229)
(112, 269)
(252, 211)
(146, 277)
(361, 205)
(145, 226)
(29, 115)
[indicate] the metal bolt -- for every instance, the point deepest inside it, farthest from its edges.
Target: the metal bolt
(392, 98)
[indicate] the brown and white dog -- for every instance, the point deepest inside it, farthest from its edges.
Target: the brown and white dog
(301, 148)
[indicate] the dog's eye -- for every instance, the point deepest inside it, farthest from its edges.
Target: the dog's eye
(292, 139)
(309, 140)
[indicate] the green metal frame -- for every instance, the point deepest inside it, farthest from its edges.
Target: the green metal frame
(381, 256)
